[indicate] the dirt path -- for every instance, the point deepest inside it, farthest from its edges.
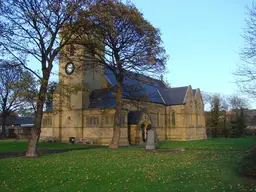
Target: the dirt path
(44, 151)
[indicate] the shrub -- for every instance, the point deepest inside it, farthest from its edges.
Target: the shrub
(247, 164)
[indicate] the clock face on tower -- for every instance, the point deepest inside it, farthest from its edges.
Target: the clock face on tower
(70, 67)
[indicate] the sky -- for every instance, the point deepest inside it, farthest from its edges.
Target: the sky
(203, 39)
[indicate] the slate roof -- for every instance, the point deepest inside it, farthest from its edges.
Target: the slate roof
(19, 120)
(134, 117)
(102, 98)
(137, 87)
(173, 96)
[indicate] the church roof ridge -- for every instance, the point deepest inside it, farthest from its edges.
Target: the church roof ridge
(174, 96)
(179, 87)
(127, 72)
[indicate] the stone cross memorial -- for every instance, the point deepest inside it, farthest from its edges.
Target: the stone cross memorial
(150, 143)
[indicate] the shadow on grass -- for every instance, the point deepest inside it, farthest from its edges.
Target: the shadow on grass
(47, 151)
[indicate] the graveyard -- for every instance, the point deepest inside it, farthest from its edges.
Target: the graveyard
(208, 165)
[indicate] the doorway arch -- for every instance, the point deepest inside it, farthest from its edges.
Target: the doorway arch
(139, 123)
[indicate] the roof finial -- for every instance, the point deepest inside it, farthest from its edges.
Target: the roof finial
(162, 77)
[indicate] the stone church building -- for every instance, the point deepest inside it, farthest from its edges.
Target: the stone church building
(174, 113)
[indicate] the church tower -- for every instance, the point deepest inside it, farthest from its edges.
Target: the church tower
(79, 74)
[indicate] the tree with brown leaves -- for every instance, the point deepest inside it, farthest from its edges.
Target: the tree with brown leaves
(130, 42)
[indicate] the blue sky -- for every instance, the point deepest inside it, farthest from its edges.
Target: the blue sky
(203, 39)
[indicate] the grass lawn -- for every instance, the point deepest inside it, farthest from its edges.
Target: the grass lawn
(203, 166)
(216, 143)
(21, 145)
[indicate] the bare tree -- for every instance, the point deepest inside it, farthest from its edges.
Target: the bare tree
(211, 99)
(246, 71)
(29, 96)
(49, 98)
(129, 43)
(32, 28)
(238, 117)
(216, 119)
(236, 102)
(222, 121)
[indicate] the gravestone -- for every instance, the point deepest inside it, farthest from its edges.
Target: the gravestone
(151, 140)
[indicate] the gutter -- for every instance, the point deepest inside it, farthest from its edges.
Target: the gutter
(161, 96)
(27, 125)
(109, 80)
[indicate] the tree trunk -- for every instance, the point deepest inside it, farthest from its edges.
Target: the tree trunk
(3, 133)
(32, 143)
(116, 129)
(36, 130)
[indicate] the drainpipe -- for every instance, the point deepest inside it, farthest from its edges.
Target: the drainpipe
(82, 121)
(166, 123)
(60, 116)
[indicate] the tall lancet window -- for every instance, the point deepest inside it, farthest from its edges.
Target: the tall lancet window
(173, 119)
(93, 70)
(196, 109)
(197, 119)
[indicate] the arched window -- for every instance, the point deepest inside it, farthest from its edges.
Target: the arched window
(142, 127)
(173, 119)
(191, 105)
(158, 118)
(107, 120)
(197, 119)
(191, 120)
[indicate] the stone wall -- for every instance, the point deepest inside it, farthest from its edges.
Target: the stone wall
(156, 113)
(103, 136)
(47, 129)
(194, 113)
(176, 129)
